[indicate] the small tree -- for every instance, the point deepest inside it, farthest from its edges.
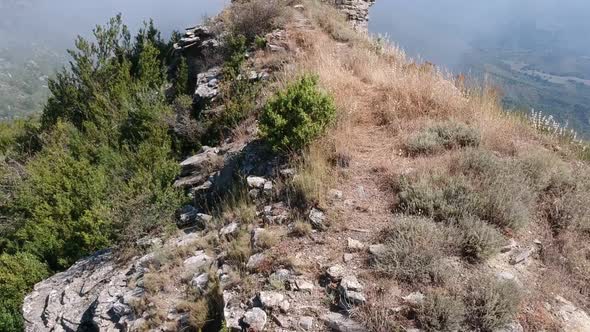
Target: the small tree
(296, 115)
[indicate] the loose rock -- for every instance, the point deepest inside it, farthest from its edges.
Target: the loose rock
(341, 323)
(317, 219)
(255, 319)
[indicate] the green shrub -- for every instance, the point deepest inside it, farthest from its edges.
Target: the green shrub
(485, 186)
(442, 198)
(440, 312)
(479, 240)
(444, 136)
(491, 303)
(414, 248)
(18, 274)
(296, 115)
(260, 42)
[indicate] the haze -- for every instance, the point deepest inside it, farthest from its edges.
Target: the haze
(56, 23)
(443, 31)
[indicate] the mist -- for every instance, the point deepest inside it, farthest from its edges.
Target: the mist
(443, 31)
(56, 23)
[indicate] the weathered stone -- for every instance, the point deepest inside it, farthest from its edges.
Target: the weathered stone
(190, 216)
(198, 261)
(270, 300)
(572, 318)
(355, 245)
(351, 283)
(347, 257)
(255, 319)
(94, 284)
(256, 182)
(341, 323)
(356, 11)
(317, 219)
(415, 298)
(284, 306)
(200, 281)
(230, 230)
(336, 272)
(288, 172)
(255, 261)
(521, 255)
(303, 285)
(512, 327)
(232, 313)
(207, 88)
(377, 250)
(509, 246)
(306, 323)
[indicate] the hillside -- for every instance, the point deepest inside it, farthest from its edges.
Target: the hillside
(276, 169)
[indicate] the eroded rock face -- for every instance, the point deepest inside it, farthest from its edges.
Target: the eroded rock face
(357, 12)
(93, 295)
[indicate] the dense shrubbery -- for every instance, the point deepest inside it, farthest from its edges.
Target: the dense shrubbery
(98, 170)
(296, 115)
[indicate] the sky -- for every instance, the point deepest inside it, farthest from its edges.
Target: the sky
(56, 23)
(441, 31)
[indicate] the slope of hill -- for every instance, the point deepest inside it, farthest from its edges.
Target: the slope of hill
(349, 189)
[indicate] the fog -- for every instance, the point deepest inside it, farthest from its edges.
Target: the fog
(443, 31)
(55, 23)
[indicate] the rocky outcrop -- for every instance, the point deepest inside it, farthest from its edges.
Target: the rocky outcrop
(357, 12)
(93, 295)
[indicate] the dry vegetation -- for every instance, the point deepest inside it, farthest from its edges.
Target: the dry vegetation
(459, 174)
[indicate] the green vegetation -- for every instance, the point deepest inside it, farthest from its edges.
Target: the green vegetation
(443, 136)
(296, 115)
(493, 189)
(414, 249)
(491, 304)
(96, 171)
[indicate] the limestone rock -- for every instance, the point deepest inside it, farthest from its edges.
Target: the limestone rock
(355, 245)
(270, 300)
(256, 182)
(229, 230)
(357, 12)
(415, 298)
(573, 319)
(317, 219)
(207, 88)
(198, 261)
(93, 292)
(306, 323)
(254, 261)
(255, 319)
(336, 272)
(341, 323)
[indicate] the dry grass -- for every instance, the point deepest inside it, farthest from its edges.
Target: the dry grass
(256, 17)
(313, 178)
(301, 228)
